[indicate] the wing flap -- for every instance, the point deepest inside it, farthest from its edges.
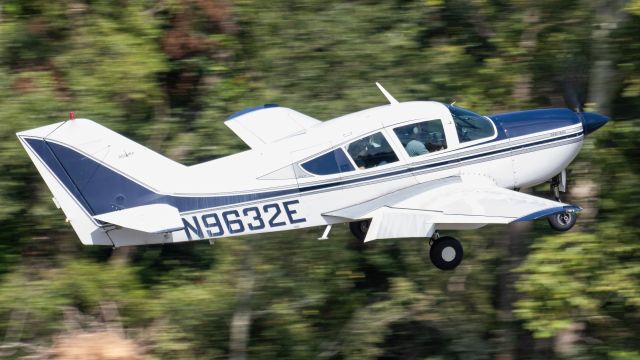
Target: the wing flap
(390, 223)
(155, 218)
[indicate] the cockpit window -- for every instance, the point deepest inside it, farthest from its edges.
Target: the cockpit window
(471, 126)
(333, 162)
(422, 138)
(371, 151)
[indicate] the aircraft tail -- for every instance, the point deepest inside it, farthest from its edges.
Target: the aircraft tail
(110, 188)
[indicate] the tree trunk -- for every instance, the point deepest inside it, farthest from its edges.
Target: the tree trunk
(241, 321)
(514, 242)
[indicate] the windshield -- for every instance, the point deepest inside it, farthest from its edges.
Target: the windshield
(469, 125)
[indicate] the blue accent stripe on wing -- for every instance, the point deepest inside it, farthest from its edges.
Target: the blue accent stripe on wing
(100, 189)
(549, 212)
(251, 109)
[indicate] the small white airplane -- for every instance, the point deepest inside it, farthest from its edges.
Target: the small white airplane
(410, 169)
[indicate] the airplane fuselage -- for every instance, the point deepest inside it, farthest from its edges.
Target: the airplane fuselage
(525, 149)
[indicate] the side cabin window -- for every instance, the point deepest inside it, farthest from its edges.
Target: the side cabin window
(471, 126)
(333, 162)
(422, 138)
(371, 151)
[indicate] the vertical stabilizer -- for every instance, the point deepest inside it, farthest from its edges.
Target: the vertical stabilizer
(92, 170)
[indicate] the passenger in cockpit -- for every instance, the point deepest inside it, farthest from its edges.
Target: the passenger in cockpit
(416, 147)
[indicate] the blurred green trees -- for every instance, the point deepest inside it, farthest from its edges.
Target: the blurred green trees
(168, 73)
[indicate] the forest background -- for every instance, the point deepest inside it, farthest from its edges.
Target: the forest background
(167, 73)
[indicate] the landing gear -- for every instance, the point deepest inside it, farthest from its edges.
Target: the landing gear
(445, 253)
(558, 184)
(359, 228)
(562, 221)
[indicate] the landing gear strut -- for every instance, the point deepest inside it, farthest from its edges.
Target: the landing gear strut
(446, 252)
(562, 221)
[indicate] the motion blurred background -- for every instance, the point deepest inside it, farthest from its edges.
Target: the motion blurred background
(167, 73)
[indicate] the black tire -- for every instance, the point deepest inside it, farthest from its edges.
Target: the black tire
(446, 253)
(562, 221)
(359, 228)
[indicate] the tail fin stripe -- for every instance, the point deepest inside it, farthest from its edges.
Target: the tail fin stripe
(48, 158)
(74, 181)
(104, 189)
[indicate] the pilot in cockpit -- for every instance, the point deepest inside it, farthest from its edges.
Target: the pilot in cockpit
(416, 147)
(435, 142)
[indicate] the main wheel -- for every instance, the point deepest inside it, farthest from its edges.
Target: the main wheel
(562, 221)
(446, 253)
(359, 228)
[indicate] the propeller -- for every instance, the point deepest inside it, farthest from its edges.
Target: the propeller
(574, 93)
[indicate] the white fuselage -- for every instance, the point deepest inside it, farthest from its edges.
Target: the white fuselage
(266, 189)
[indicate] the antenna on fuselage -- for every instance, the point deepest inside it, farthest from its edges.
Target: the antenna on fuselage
(386, 94)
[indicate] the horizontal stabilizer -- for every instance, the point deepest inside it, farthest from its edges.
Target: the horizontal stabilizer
(267, 124)
(155, 218)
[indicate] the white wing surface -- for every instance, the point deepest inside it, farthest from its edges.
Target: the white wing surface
(268, 123)
(450, 203)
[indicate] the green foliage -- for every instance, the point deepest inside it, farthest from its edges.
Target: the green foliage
(168, 73)
(593, 278)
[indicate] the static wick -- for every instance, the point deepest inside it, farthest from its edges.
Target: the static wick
(72, 115)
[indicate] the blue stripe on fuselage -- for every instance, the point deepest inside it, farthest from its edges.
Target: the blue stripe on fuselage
(100, 189)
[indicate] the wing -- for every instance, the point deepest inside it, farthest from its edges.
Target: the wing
(265, 124)
(453, 202)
